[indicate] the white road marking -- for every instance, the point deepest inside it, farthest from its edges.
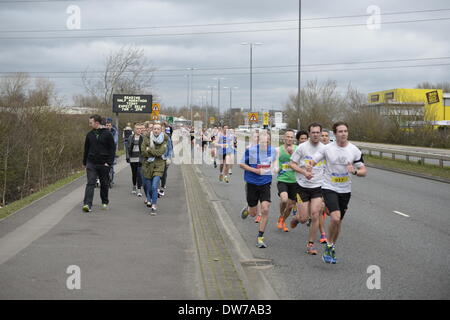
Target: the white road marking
(400, 213)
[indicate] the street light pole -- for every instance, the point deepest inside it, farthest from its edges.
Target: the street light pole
(191, 93)
(251, 44)
(218, 95)
(231, 98)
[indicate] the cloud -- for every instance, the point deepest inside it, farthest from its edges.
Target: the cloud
(223, 50)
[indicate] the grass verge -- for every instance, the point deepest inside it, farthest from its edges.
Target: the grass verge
(413, 167)
(19, 204)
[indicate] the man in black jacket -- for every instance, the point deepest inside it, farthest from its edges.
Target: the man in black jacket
(99, 151)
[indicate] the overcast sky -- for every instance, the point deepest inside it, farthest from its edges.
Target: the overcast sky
(214, 46)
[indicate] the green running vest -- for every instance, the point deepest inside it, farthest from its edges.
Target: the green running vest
(286, 174)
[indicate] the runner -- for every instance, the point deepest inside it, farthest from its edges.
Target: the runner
(301, 136)
(258, 162)
(214, 135)
(287, 184)
(342, 159)
(325, 139)
(98, 158)
(309, 184)
(225, 150)
(153, 148)
(254, 140)
(134, 158)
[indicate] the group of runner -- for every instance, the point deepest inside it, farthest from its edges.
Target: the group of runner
(313, 180)
(148, 149)
(313, 177)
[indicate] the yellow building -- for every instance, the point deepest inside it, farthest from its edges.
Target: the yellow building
(413, 107)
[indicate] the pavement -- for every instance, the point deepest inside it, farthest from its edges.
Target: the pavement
(122, 253)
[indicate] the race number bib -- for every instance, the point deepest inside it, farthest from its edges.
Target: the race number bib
(339, 179)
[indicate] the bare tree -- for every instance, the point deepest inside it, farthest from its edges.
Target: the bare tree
(126, 71)
(445, 86)
(319, 103)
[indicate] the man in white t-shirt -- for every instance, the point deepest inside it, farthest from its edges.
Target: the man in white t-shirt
(342, 159)
(309, 183)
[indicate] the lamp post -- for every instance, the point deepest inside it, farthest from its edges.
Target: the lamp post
(218, 94)
(212, 93)
(231, 98)
(251, 44)
(191, 79)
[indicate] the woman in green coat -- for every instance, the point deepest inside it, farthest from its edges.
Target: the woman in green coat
(153, 148)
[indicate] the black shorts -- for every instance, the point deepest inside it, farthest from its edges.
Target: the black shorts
(306, 194)
(257, 193)
(290, 188)
(336, 201)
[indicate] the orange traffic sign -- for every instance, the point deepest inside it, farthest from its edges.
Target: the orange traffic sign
(156, 107)
(253, 116)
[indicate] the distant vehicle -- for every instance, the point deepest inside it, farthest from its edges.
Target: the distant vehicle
(280, 126)
(331, 135)
(243, 128)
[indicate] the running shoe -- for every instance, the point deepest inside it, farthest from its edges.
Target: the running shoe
(323, 238)
(215, 164)
(86, 208)
(285, 229)
(260, 243)
(280, 223)
(153, 211)
(161, 192)
(333, 255)
(327, 257)
(311, 249)
(230, 172)
(294, 222)
(104, 206)
(134, 190)
(225, 178)
(244, 212)
(258, 218)
(139, 194)
(148, 204)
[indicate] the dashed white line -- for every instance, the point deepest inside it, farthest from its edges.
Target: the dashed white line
(400, 213)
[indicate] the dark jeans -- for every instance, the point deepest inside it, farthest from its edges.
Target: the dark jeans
(164, 177)
(136, 175)
(93, 171)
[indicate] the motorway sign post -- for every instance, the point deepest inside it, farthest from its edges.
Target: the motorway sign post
(265, 119)
(131, 103)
